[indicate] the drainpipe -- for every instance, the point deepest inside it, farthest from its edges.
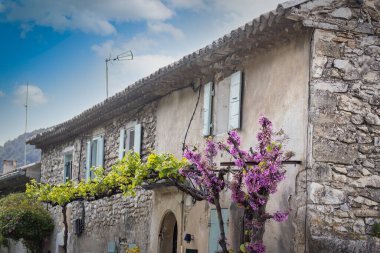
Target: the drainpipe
(182, 221)
(80, 157)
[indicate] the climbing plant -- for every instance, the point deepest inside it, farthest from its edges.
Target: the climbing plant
(22, 218)
(124, 177)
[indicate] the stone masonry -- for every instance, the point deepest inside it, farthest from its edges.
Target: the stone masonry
(344, 168)
(117, 218)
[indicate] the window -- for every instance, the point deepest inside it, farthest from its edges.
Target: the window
(94, 155)
(214, 232)
(130, 139)
(222, 105)
(68, 167)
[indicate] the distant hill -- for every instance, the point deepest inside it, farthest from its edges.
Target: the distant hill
(14, 150)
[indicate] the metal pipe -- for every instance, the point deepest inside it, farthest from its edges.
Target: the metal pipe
(107, 60)
(26, 119)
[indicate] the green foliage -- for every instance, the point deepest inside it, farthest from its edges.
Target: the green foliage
(22, 218)
(376, 229)
(125, 176)
(166, 165)
(3, 241)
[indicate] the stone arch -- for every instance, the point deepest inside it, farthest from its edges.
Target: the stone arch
(168, 235)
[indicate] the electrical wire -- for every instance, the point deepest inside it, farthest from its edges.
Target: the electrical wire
(191, 119)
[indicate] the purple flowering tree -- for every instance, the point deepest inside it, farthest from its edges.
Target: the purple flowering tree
(258, 173)
(207, 180)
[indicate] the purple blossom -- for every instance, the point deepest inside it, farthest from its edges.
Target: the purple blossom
(203, 172)
(252, 184)
(259, 180)
(234, 152)
(239, 163)
(280, 216)
(257, 247)
(211, 149)
(233, 137)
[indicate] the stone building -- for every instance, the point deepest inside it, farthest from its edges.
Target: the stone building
(312, 67)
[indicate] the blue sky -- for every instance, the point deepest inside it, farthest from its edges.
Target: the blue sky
(59, 48)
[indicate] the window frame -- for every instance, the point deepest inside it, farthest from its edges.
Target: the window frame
(68, 152)
(228, 92)
(99, 161)
(125, 138)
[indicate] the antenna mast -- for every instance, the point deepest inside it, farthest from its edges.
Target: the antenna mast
(26, 118)
(126, 56)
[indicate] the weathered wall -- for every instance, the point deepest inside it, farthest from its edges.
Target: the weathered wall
(276, 85)
(344, 181)
(109, 219)
(14, 247)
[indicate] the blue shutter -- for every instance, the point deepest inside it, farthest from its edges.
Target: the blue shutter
(235, 98)
(88, 160)
(207, 106)
(67, 167)
(100, 154)
(111, 247)
(213, 240)
(122, 144)
(64, 169)
(137, 138)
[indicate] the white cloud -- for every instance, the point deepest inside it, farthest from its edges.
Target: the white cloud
(2, 94)
(104, 50)
(90, 16)
(35, 95)
(25, 28)
(138, 45)
(124, 73)
(187, 4)
(161, 27)
(237, 13)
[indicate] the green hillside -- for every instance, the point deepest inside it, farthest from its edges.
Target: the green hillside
(14, 150)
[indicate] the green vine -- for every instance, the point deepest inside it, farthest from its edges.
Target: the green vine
(124, 177)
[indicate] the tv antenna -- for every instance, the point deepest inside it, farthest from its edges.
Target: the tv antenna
(26, 118)
(126, 56)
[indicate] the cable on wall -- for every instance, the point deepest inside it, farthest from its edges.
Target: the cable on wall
(192, 117)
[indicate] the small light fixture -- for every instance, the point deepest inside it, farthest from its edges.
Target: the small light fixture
(188, 238)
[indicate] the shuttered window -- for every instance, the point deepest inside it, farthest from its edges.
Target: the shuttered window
(67, 167)
(214, 232)
(235, 98)
(130, 139)
(94, 156)
(222, 105)
(207, 109)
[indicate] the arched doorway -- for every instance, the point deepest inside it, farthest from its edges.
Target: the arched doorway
(168, 234)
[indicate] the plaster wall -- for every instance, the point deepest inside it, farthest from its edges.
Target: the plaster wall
(276, 85)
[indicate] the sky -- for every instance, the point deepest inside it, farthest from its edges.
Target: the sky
(59, 48)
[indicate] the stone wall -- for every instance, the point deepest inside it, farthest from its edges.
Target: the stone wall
(344, 174)
(117, 218)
